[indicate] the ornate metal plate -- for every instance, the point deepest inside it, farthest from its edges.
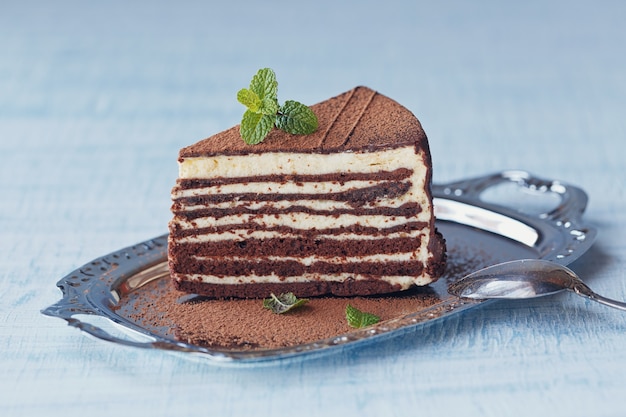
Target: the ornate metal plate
(485, 220)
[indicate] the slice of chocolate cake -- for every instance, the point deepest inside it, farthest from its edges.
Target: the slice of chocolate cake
(346, 210)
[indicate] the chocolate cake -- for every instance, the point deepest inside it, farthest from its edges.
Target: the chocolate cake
(346, 210)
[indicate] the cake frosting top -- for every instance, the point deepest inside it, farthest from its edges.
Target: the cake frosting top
(357, 119)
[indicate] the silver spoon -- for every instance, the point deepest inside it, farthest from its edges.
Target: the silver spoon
(526, 278)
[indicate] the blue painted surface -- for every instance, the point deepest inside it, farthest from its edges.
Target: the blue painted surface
(96, 98)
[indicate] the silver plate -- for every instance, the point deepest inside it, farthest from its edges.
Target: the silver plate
(485, 220)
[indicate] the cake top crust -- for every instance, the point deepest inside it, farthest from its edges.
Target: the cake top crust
(357, 119)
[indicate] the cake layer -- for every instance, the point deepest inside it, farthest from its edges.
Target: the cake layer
(296, 246)
(345, 211)
(331, 176)
(315, 286)
(294, 270)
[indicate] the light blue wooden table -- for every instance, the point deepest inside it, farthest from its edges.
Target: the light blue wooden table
(96, 98)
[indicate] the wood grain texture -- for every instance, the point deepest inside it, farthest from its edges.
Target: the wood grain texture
(96, 98)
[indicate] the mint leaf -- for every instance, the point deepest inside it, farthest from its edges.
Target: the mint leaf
(255, 127)
(269, 106)
(296, 118)
(264, 84)
(358, 319)
(263, 111)
(283, 303)
(250, 99)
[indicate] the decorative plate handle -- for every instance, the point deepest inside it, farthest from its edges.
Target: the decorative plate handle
(562, 221)
(573, 200)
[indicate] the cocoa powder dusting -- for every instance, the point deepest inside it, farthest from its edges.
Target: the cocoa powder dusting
(245, 324)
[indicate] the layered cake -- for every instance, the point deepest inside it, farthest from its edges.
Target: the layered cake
(346, 210)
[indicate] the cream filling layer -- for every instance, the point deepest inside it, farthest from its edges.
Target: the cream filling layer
(277, 205)
(242, 235)
(299, 221)
(404, 282)
(319, 205)
(310, 260)
(291, 163)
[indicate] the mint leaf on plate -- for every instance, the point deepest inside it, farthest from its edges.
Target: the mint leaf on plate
(358, 319)
(283, 303)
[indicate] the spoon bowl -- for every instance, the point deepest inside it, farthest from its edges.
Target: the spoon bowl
(525, 278)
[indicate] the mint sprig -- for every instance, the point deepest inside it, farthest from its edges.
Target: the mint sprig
(358, 319)
(263, 111)
(283, 303)
(294, 117)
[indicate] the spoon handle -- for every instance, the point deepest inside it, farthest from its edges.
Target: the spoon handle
(584, 291)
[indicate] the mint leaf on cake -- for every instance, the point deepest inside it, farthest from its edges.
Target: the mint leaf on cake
(250, 99)
(263, 111)
(296, 118)
(255, 127)
(264, 84)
